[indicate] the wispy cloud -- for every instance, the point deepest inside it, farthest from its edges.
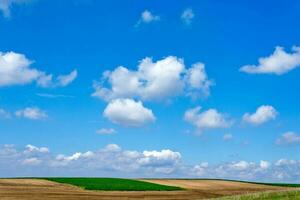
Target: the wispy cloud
(288, 138)
(4, 114)
(48, 95)
(106, 131)
(33, 113)
(187, 16)
(6, 5)
(147, 17)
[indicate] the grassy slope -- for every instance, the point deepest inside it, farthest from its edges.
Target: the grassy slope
(285, 195)
(113, 184)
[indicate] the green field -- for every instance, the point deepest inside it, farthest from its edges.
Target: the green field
(285, 195)
(113, 184)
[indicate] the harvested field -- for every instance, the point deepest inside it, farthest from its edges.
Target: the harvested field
(36, 189)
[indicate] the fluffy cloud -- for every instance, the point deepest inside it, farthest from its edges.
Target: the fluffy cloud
(110, 159)
(106, 131)
(264, 164)
(263, 114)
(288, 138)
(113, 161)
(128, 112)
(207, 119)
(33, 113)
(15, 70)
(5, 5)
(278, 63)
(154, 81)
(187, 16)
(147, 17)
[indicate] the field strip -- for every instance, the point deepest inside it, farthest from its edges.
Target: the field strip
(36, 189)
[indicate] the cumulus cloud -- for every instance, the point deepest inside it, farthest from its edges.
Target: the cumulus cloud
(208, 119)
(187, 16)
(106, 131)
(15, 69)
(33, 113)
(288, 138)
(158, 80)
(263, 114)
(280, 62)
(197, 81)
(147, 17)
(5, 6)
(128, 112)
(264, 164)
(114, 161)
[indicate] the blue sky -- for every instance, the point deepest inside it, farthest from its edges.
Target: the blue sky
(191, 82)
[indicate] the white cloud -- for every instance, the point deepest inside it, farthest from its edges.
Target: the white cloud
(197, 79)
(278, 63)
(160, 157)
(154, 81)
(31, 161)
(128, 112)
(5, 6)
(61, 81)
(113, 161)
(64, 80)
(288, 138)
(4, 114)
(106, 131)
(241, 165)
(62, 160)
(187, 16)
(48, 95)
(263, 114)
(227, 137)
(264, 164)
(15, 70)
(33, 113)
(208, 119)
(285, 162)
(112, 148)
(31, 149)
(147, 17)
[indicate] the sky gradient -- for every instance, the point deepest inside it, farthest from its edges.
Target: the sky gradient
(150, 89)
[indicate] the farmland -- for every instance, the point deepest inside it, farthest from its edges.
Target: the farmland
(153, 189)
(114, 184)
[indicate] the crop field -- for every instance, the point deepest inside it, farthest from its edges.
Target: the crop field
(114, 184)
(152, 189)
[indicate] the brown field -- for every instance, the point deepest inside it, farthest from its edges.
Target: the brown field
(33, 189)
